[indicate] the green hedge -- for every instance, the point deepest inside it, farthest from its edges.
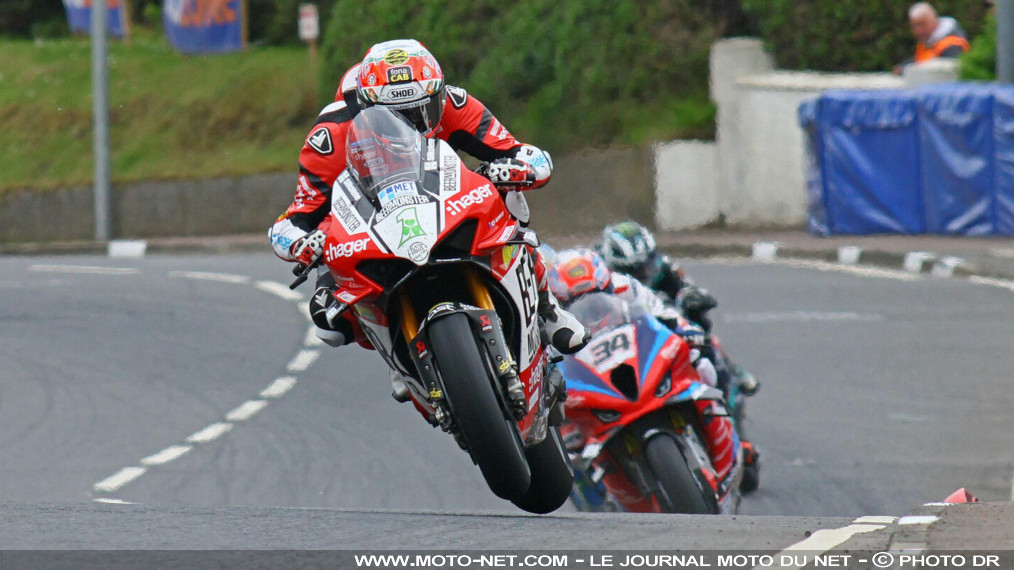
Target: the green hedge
(980, 61)
(561, 74)
(848, 35)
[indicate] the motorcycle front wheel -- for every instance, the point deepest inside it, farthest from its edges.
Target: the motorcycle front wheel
(678, 490)
(552, 475)
(493, 441)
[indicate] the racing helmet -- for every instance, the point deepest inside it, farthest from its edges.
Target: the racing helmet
(404, 76)
(348, 87)
(628, 247)
(576, 272)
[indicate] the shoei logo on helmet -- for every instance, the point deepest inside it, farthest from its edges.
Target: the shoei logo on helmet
(406, 93)
(346, 249)
(476, 196)
(396, 57)
(397, 75)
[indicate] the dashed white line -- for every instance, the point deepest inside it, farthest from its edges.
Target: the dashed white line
(84, 269)
(109, 501)
(1004, 283)
(311, 338)
(802, 316)
(119, 479)
(246, 410)
(279, 387)
(210, 433)
(303, 360)
(205, 276)
(279, 290)
(917, 519)
(171, 453)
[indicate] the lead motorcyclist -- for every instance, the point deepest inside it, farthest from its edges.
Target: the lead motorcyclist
(405, 77)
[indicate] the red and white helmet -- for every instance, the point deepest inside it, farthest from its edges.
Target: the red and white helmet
(403, 75)
(349, 84)
(576, 272)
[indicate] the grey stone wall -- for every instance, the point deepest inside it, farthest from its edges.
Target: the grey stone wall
(588, 190)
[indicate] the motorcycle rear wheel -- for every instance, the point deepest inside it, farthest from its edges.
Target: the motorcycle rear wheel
(552, 475)
(493, 441)
(677, 489)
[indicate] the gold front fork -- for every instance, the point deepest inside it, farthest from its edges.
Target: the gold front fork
(478, 290)
(410, 321)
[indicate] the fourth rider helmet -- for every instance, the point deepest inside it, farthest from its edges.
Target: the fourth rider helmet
(403, 76)
(629, 247)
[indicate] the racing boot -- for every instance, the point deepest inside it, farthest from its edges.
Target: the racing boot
(562, 329)
(751, 469)
(331, 327)
(748, 385)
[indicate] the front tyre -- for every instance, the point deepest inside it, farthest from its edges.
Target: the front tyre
(677, 489)
(552, 475)
(492, 439)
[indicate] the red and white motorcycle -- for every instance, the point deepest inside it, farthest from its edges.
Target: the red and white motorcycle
(440, 276)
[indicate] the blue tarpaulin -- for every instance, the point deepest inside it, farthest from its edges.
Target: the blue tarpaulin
(939, 159)
(204, 26)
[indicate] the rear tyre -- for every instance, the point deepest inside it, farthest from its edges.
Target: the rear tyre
(677, 489)
(552, 475)
(468, 388)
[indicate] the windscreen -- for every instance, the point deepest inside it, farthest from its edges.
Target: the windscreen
(383, 149)
(600, 311)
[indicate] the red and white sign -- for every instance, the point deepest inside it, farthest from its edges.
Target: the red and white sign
(309, 23)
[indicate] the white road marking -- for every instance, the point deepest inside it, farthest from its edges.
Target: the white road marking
(210, 433)
(279, 387)
(84, 269)
(127, 248)
(171, 453)
(1004, 283)
(205, 276)
(825, 539)
(246, 410)
(860, 270)
(917, 519)
(801, 316)
(311, 337)
(119, 479)
(109, 501)
(280, 290)
(303, 360)
(765, 251)
(875, 520)
(849, 254)
(304, 308)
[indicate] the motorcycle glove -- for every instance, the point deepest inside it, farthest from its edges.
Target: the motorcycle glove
(509, 172)
(308, 249)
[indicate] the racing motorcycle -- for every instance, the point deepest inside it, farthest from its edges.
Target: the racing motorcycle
(654, 435)
(439, 274)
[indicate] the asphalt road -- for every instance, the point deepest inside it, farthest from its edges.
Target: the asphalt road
(186, 386)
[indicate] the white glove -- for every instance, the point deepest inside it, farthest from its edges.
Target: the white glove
(308, 249)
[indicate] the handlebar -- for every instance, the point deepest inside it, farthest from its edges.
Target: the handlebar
(302, 272)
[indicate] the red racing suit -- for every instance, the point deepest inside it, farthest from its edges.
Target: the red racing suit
(466, 124)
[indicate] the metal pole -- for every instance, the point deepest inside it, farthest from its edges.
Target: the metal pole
(100, 112)
(1005, 41)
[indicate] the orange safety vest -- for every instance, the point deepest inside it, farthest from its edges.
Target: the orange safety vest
(923, 53)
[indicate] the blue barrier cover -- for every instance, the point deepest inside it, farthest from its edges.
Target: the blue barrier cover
(204, 26)
(79, 16)
(1003, 145)
(956, 155)
(939, 159)
(817, 222)
(871, 162)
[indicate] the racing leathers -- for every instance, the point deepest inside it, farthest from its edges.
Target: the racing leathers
(467, 125)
